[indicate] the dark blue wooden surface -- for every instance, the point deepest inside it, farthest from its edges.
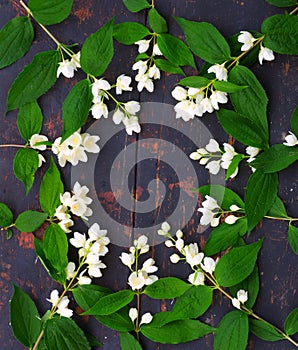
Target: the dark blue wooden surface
(277, 263)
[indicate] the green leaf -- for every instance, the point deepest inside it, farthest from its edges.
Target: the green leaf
(30, 220)
(157, 23)
(142, 56)
(177, 332)
(24, 318)
(205, 41)
(259, 197)
(282, 3)
(278, 209)
(224, 236)
(175, 50)
(250, 284)
(57, 276)
(281, 34)
(111, 303)
(63, 333)
(30, 120)
(6, 216)
(196, 82)
(264, 331)
(76, 108)
(226, 86)
(232, 332)
(55, 246)
(294, 121)
(237, 264)
(136, 5)
(118, 321)
(98, 50)
(291, 322)
(34, 80)
(128, 33)
(129, 342)
(50, 189)
(250, 102)
(234, 165)
(49, 12)
(167, 288)
(168, 67)
(242, 128)
(224, 196)
(276, 158)
(25, 164)
(293, 238)
(92, 340)
(15, 40)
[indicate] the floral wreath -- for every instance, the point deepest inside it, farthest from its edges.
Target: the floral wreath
(226, 264)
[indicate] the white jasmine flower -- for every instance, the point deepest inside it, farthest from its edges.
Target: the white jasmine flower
(99, 110)
(154, 72)
(38, 138)
(127, 259)
(236, 303)
(179, 234)
(213, 146)
(75, 59)
(185, 109)
(175, 258)
(213, 167)
(252, 151)
(210, 203)
(144, 81)
(192, 255)
(165, 226)
(80, 192)
(118, 116)
(148, 266)
(94, 265)
(179, 244)
(84, 279)
(228, 156)
(70, 270)
(41, 159)
(141, 244)
(215, 222)
(67, 69)
(98, 89)
(169, 243)
(132, 124)
(97, 234)
(156, 50)
(89, 143)
(122, 84)
(146, 318)
(143, 45)
(208, 265)
(197, 278)
(207, 216)
(149, 279)
(61, 211)
(221, 73)
(179, 93)
(136, 281)
(79, 240)
(234, 207)
(218, 97)
(62, 306)
(291, 140)
(247, 40)
(65, 224)
(140, 66)
(265, 54)
(195, 93)
(231, 219)
(132, 107)
(78, 208)
(242, 296)
(206, 105)
(133, 313)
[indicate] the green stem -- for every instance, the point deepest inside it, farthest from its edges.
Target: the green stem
(13, 145)
(294, 11)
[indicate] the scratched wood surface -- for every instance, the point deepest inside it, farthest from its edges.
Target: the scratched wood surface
(278, 265)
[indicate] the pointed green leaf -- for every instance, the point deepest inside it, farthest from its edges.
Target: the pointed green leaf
(98, 50)
(205, 41)
(232, 332)
(168, 67)
(118, 321)
(281, 34)
(175, 50)
(30, 120)
(234, 165)
(177, 332)
(76, 108)
(167, 288)
(63, 333)
(278, 209)
(6, 216)
(49, 12)
(129, 342)
(136, 5)
(294, 121)
(293, 238)
(291, 322)
(237, 264)
(55, 246)
(264, 331)
(24, 318)
(30, 220)
(34, 80)
(226, 86)
(157, 23)
(50, 189)
(242, 128)
(15, 40)
(25, 164)
(282, 3)
(128, 33)
(196, 82)
(259, 197)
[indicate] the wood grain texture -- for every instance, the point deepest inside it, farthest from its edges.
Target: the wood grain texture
(277, 263)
